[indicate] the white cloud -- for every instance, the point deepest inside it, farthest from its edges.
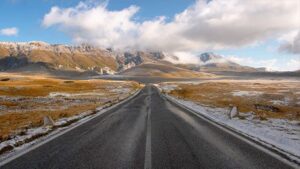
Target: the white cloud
(95, 24)
(290, 64)
(291, 43)
(216, 24)
(182, 58)
(9, 31)
(240, 60)
(269, 64)
(294, 64)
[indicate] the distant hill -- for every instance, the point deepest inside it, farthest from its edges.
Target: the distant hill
(163, 70)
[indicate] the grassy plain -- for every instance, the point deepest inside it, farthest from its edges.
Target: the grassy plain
(25, 100)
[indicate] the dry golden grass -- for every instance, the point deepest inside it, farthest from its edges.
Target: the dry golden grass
(13, 121)
(26, 99)
(42, 87)
(165, 71)
(220, 94)
(182, 74)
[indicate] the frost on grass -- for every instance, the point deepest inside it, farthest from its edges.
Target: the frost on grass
(282, 134)
(27, 100)
(266, 99)
(61, 94)
(168, 88)
(246, 93)
(25, 137)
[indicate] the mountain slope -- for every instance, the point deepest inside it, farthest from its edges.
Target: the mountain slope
(131, 59)
(58, 57)
(162, 70)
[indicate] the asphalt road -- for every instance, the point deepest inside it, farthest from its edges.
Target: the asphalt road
(147, 132)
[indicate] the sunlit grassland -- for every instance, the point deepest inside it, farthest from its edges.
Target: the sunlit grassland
(282, 95)
(25, 100)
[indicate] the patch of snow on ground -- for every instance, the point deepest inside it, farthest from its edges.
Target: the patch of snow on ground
(286, 101)
(63, 121)
(283, 134)
(168, 88)
(61, 94)
(30, 133)
(121, 90)
(246, 93)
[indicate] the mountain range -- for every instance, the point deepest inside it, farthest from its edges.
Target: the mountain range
(43, 57)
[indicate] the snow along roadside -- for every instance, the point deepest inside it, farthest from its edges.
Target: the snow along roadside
(63, 126)
(272, 139)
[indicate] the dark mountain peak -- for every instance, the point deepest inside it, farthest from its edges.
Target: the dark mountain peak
(207, 56)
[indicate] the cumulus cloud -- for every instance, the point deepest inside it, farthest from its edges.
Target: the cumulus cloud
(206, 25)
(182, 58)
(291, 44)
(87, 23)
(9, 31)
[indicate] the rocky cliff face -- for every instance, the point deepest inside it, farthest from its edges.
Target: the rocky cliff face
(129, 59)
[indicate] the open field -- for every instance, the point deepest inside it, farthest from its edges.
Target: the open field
(25, 100)
(266, 99)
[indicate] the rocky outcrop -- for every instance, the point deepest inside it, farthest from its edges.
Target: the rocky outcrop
(48, 121)
(233, 112)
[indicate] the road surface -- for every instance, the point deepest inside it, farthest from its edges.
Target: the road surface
(147, 132)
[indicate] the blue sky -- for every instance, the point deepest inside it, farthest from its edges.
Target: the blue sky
(259, 49)
(27, 15)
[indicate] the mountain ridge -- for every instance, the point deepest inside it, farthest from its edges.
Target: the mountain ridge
(41, 56)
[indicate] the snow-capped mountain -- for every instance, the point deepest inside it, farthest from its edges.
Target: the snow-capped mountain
(210, 57)
(214, 62)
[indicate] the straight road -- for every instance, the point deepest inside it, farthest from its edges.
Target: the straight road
(147, 132)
